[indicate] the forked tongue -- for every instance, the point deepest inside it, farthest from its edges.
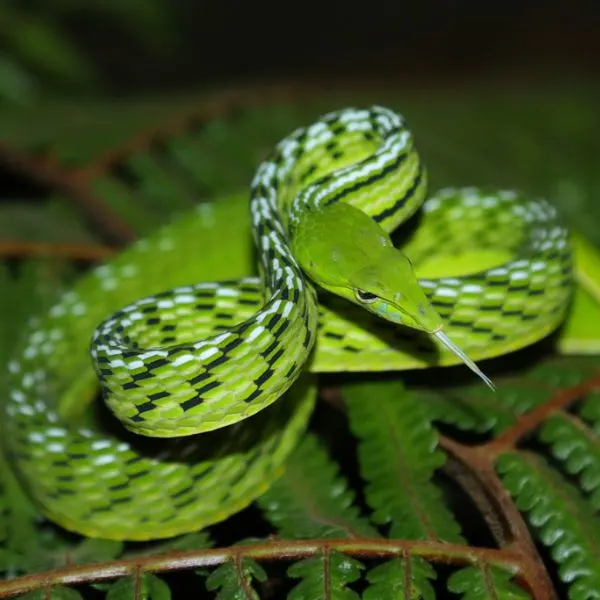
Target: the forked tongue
(440, 335)
(429, 320)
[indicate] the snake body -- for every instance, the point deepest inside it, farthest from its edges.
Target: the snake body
(222, 368)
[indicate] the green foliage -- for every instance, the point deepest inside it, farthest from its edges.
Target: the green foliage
(398, 455)
(590, 410)
(404, 579)
(50, 221)
(475, 408)
(565, 521)
(485, 583)
(466, 411)
(41, 47)
(54, 593)
(578, 447)
(234, 580)
(325, 577)
(142, 586)
(312, 500)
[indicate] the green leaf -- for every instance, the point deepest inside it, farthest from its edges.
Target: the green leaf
(563, 520)
(398, 454)
(142, 586)
(58, 592)
(463, 411)
(52, 221)
(578, 447)
(41, 43)
(477, 408)
(590, 410)
(95, 550)
(325, 577)
(485, 583)
(311, 499)
(16, 84)
(234, 579)
(402, 579)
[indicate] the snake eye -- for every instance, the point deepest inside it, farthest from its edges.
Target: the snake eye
(365, 297)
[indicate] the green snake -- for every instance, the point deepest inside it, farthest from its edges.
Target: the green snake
(220, 371)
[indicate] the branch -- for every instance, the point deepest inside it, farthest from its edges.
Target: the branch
(48, 174)
(531, 421)
(267, 551)
(85, 252)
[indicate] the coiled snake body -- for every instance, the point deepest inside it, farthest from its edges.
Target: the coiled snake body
(221, 369)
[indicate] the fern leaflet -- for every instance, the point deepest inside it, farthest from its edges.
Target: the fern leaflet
(590, 410)
(565, 522)
(311, 499)
(325, 577)
(485, 583)
(234, 580)
(141, 586)
(398, 455)
(476, 408)
(58, 592)
(578, 447)
(403, 579)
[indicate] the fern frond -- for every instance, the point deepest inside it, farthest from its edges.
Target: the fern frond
(234, 580)
(175, 172)
(590, 410)
(203, 159)
(58, 592)
(311, 499)
(476, 408)
(463, 412)
(56, 551)
(578, 447)
(485, 582)
(325, 577)
(51, 221)
(141, 586)
(398, 456)
(563, 520)
(408, 578)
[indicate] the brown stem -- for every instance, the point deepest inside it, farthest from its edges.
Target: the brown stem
(480, 463)
(527, 423)
(289, 550)
(85, 252)
(218, 105)
(47, 173)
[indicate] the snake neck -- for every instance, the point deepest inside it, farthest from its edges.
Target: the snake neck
(362, 157)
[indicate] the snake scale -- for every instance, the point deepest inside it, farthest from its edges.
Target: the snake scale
(220, 371)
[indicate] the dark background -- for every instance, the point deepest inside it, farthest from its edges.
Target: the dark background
(231, 40)
(443, 40)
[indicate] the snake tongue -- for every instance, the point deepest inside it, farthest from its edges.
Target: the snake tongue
(440, 335)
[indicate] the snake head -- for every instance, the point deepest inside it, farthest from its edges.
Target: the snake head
(347, 253)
